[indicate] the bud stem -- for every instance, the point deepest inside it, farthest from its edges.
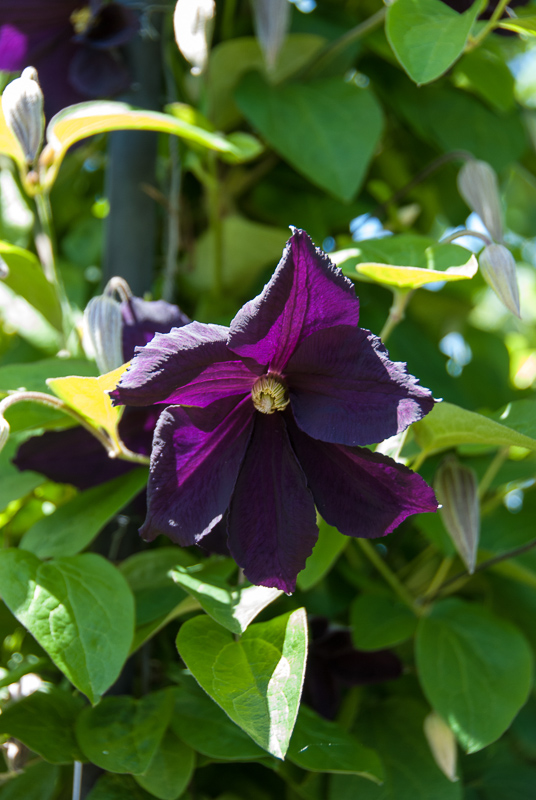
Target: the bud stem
(466, 232)
(492, 470)
(396, 585)
(397, 312)
(54, 402)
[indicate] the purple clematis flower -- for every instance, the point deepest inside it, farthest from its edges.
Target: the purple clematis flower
(74, 456)
(71, 43)
(271, 416)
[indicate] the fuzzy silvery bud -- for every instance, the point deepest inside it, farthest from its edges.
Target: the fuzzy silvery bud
(4, 432)
(22, 104)
(498, 269)
(442, 743)
(271, 19)
(102, 333)
(456, 487)
(478, 185)
(193, 21)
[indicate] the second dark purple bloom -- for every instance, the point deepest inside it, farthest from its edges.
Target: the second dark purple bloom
(270, 417)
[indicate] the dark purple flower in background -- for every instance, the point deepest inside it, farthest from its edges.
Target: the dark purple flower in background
(74, 456)
(334, 664)
(271, 416)
(72, 44)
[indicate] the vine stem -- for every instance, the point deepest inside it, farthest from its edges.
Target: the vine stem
(77, 780)
(397, 312)
(113, 450)
(333, 49)
(213, 189)
(497, 14)
(387, 573)
(466, 232)
(44, 242)
(492, 470)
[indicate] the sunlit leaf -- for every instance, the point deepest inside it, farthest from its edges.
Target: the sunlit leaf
(88, 397)
(9, 146)
(26, 278)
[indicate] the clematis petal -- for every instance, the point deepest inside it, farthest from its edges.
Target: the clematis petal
(13, 47)
(71, 456)
(190, 365)
(272, 521)
(361, 493)
(344, 389)
(193, 473)
(143, 318)
(97, 73)
(306, 293)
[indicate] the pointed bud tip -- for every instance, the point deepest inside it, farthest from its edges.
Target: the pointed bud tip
(498, 268)
(479, 187)
(442, 743)
(457, 489)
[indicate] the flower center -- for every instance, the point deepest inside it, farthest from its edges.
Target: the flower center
(81, 20)
(269, 394)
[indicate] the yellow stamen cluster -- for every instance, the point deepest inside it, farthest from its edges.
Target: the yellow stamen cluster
(81, 19)
(269, 394)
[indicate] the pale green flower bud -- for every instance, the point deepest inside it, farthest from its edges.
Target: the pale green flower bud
(456, 487)
(498, 269)
(442, 743)
(102, 333)
(193, 21)
(22, 104)
(271, 19)
(478, 185)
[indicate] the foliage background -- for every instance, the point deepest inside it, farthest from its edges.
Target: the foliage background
(350, 147)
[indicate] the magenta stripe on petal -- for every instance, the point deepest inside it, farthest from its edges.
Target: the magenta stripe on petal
(193, 473)
(306, 293)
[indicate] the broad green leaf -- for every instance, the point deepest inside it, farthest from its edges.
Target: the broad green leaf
(319, 745)
(520, 415)
(112, 786)
(9, 145)
(231, 59)
(234, 608)
(149, 576)
(170, 769)
(44, 722)
(256, 680)
(247, 248)
(121, 734)
(413, 277)
(327, 129)
(474, 668)
(86, 119)
(14, 484)
(379, 621)
(79, 609)
(448, 426)
(27, 279)
(485, 73)
(202, 724)
(395, 728)
(519, 25)
(39, 781)
(88, 396)
(74, 525)
(326, 551)
(427, 36)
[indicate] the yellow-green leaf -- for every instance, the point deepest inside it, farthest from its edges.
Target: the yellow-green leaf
(413, 277)
(449, 426)
(88, 396)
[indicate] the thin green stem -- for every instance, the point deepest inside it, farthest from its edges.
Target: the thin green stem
(494, 467)
(397, 312)
(332, 50)
(54, 402)
(466, 232)
(439, 576)
(387, 573)
(44, 242)
(492, 23)
(229, 9)
(419, 461)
